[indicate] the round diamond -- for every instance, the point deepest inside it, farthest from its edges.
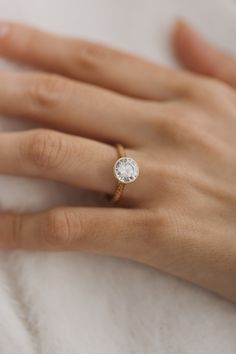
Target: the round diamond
(126, 170)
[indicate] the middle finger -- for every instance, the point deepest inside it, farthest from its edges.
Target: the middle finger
(78, 108)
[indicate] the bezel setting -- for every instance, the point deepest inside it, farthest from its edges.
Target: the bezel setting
(126, 170)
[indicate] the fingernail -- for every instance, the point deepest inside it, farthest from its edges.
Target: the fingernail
(4, 29)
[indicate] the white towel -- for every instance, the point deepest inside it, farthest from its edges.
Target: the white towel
(83, 304)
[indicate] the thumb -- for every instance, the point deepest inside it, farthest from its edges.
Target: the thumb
(202, 57)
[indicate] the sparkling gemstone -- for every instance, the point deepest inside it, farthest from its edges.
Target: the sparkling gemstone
(126, 170)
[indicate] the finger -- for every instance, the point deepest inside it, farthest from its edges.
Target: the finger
(47, 154)
(100, 230)
(72, 107)
(60, 157)
(90, 62)
(202, 57)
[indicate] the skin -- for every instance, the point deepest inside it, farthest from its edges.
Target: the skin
(180, 214)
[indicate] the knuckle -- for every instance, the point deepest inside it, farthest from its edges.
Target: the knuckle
(46, 91)
(44, 149)
(159, 222)
(194, 88)
(188, 130)
(217, 88)
(144, 224)
(168, 120)
(192, 85)
(186, 83)
(205, 88)
(168, 176)
(58, 228)
(166, 223)
(150, 223)
(91, 56)
(157, 226)
(173, 126)
(181, 125)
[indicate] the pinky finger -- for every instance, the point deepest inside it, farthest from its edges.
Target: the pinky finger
(98, 230)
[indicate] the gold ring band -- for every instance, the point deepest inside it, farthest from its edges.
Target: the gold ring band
(126, 171)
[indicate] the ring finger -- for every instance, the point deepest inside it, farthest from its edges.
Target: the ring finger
(61, 157)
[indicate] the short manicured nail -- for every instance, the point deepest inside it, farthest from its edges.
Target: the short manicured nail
(4, 29)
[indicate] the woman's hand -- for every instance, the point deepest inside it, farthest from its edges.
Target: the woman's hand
(178, 126)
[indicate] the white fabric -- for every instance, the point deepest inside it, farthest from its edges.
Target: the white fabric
(73, 303)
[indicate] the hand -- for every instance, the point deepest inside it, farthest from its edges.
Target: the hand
(179, 216)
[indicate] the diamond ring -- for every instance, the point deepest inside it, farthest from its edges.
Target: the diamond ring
(126, 170)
